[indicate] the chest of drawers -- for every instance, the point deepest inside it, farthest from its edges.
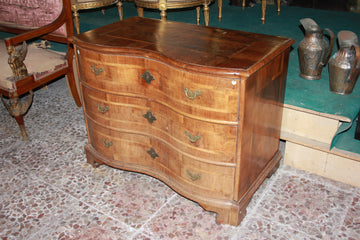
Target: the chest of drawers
(197, 107)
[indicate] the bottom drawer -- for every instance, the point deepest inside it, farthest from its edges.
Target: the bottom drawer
(144, 154)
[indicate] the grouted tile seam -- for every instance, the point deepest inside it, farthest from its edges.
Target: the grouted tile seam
(141, 229)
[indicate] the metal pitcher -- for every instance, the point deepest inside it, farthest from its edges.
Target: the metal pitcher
(344, 67)
(314, 51)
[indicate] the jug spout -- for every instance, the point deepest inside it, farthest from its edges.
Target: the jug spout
(310, 25)
(347, 39)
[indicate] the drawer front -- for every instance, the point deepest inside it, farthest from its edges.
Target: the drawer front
(196, 95)
(213, 142)
(145, 154)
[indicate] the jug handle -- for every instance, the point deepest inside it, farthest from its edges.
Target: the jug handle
(354, 70)
(332, 38)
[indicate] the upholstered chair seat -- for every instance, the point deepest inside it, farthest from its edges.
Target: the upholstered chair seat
(40, 61)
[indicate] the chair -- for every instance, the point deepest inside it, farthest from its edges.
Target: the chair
(164, 5)
(263, 8)
(25, 67)
(77, 5)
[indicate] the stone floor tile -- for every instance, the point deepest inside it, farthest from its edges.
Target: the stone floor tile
(350, 228)
(305, 205)
(260, 228)
(184, 219)
(76, 220)
(130, 197)
(27, 207)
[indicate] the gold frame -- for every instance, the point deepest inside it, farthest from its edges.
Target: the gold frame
(91, 4)
(163, 5)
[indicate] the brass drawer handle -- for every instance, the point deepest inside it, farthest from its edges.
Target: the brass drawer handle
(147, 77)
(190, 94)
(106, 143)
(193, 176)
(96, 71)
(150, 117)
(102, 109)
(192, 138)
(153, 154)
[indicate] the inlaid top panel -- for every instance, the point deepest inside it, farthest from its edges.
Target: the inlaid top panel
(191, 46)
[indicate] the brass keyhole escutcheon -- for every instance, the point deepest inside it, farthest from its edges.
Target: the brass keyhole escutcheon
(190, 94)
(193, 176)
(148, 77)
(153, 154)
(106, 143)
(192, 138)
(102, 109)
(96, 70)
(150, 117)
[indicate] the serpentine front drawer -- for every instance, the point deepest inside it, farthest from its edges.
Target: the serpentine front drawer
(199, 95)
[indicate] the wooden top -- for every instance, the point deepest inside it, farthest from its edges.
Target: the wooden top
(193, 47)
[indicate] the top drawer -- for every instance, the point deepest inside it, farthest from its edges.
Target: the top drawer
(195, 95)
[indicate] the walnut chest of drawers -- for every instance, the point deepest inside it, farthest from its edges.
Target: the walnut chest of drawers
(197, 107)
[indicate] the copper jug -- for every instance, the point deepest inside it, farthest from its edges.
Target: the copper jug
(344, 67)
(314, 51)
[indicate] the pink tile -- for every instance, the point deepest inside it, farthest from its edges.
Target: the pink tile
(129, 197)
(351, 226)
(260, 228)
(184, 219)
(26, 207)
(76, 220)
(305, 205)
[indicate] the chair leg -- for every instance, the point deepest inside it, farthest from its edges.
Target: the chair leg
(20, 121)
(278, 6)
(263, 10)
(73, 89)
(163, 15)
(140, 12)
(206, 14)
(198, 15)
(120, 10)
(220, 3)
(243, 4)
(76, 21)
(71, 78)
(18, 110)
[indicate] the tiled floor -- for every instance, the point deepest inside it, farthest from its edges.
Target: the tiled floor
(48, 191)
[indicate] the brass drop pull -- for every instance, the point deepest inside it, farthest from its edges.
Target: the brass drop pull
(147, 77)
(102, 109)
(193, 176)
(96, 70)
(153, 154)
(106, 143)
(192, 138)
(190, 94)
(150, 117)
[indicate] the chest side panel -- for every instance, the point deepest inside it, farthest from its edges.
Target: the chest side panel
(261, 125)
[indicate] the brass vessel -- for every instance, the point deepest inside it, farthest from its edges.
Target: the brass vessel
(314, 50)
(344, 67)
